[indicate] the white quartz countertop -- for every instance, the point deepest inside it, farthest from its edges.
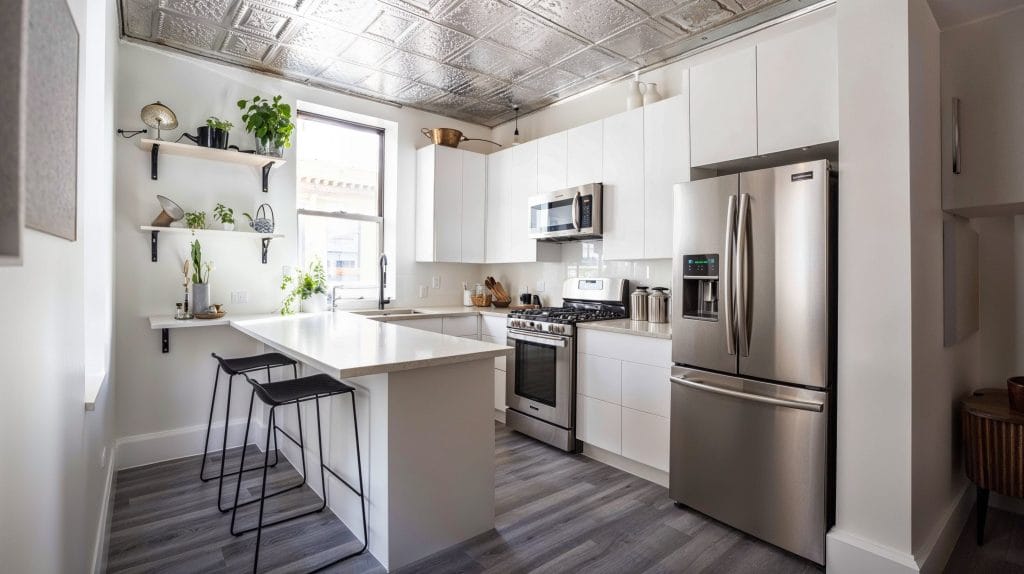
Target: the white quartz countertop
(346, 345)
(432, 312)
(631, 327)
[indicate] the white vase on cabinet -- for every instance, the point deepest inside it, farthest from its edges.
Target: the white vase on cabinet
(635, 99)
(651, 94)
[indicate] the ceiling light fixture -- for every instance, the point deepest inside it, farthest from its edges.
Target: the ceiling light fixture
(515, 134)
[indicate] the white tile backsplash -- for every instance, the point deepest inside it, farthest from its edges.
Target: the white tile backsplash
(579, 259)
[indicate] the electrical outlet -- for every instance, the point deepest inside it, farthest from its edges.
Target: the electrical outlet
(435, 282)
(423, 291)
(540, 286)
(239, 297)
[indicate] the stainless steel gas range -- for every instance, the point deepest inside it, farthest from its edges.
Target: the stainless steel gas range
(541, 394)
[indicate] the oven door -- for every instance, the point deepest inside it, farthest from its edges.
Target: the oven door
(542, 382)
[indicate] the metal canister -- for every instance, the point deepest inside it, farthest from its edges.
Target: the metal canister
(657, 305)
(638, 304)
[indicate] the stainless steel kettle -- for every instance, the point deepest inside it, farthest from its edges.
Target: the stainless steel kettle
(657, 305)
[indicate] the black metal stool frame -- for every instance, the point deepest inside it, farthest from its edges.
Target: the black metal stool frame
(271, 424)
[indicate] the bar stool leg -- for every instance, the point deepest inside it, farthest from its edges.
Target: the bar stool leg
(263, 490)
(209, 423)
(238, 484)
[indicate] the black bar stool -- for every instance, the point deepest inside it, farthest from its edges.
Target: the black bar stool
(233, 367)
(298, 391)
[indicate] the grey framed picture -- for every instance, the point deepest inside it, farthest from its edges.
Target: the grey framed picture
(51, 111)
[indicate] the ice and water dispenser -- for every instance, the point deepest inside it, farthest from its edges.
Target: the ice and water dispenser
(700, 287)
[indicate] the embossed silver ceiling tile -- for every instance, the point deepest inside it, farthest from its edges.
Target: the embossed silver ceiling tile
(407, 65)
(590, 61)
(187, 33)
(213, 10)
(656, 7)
(493, 60)
(345, 73)
(367, 52)
(384, 83)
(530, 34)
(699, 15)
(315, 37)
(259, 20)
(595, 20)
(637, 40)
(448, 78)
(246, 47)
(550, 80)
(350, 15)
(416, 93)
(511, 95)
(391, 26)
(296, 61)
(435, 41)
(477, 17)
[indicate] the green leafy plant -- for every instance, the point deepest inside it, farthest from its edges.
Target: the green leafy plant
(303, 285)
(219, 124)
(223, 213)
(269, 120)
(195, 219)
(200, 270)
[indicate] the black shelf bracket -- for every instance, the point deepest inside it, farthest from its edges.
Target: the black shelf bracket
(154, 154)
(152, 244)
(266, 178)
(165, 336)
(266, 244)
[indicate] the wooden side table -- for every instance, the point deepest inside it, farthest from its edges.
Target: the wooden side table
(993, 436)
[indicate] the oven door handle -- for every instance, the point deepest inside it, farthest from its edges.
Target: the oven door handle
(538, 339)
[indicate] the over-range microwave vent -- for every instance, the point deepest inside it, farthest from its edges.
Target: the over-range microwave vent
(572, 214)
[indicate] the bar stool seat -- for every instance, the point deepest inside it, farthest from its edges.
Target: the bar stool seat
(283, 392)
(241, 365)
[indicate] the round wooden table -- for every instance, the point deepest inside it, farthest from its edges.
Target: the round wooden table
(993, 438)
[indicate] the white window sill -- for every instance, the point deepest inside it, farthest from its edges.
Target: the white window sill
(93, 385)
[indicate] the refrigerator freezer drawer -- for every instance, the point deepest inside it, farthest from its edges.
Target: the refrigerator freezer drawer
(752, 455)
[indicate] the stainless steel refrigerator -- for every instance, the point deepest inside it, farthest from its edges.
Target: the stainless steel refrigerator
(753, 342)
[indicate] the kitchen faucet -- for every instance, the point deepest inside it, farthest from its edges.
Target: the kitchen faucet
(382, 264)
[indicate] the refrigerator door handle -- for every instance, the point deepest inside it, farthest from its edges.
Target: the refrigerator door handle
(742, 288)
(787, 403)
(727, 293)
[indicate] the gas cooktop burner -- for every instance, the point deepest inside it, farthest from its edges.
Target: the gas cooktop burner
(567, 315)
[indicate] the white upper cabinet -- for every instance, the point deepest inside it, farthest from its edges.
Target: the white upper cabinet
(723, 106)
(449, 205)
(666, 162)
(551, 162)
(623, 177)
(798, 89)
(499, 190)
(522, 185)
(584, 157)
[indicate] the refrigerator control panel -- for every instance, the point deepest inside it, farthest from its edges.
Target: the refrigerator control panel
(704, 265)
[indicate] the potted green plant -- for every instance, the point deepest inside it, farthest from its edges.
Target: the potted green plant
(270, 121)
(195, 219)
(219, 131)
(309, 288)
(225, 215)
(200, 279)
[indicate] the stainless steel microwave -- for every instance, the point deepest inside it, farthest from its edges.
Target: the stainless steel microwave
(567, 214)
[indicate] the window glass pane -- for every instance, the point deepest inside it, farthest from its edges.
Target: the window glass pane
(349, 249)
(338, 167)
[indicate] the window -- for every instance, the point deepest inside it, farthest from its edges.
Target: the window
(339, 197)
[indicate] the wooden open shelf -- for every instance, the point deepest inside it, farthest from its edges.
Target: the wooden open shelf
(154, 233)
(157, 147)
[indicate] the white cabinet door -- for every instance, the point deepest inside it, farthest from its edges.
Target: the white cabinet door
(493, 326)
(645, 438)
(447, 204)
(461, 326)
(599, 423)
(646, 388)
(500, 363)
(623, 176)
(474, 181)
(723, 108)
(551, 153)
(524, 184)
(499, 389)
(584, 156)
(433, 325)
(499, 174)
(666, 163)
(798, 89)
(599, 378)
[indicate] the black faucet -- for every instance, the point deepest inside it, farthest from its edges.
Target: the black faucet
(382, 264)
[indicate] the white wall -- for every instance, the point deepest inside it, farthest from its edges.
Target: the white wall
(169, 394)
(54, 482)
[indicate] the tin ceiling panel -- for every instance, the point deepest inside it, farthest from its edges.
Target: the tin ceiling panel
(473, 60)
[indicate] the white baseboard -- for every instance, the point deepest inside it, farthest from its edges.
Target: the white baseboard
(847, 553)
(499, 415)
(624, 464)
(99, 550)
(933, 555)
(150, 448)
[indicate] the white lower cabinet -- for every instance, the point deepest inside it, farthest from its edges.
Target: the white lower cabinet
(624, 395)
(461, 326)
(500, 378)
(434, 324)
(493, 330)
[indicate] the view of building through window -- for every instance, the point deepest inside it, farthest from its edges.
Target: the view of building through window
(339, 171)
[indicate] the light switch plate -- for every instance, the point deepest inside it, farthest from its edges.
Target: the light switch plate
(435, 282)
(540, 286)
(423, 291)
(239, 297)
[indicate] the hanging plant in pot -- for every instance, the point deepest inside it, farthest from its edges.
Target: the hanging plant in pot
(309, 288)
(270, 121)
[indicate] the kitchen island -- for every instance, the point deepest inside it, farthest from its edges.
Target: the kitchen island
(426, 430)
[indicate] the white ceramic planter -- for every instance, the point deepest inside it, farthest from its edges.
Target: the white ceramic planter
(228, 226)
(315, 304)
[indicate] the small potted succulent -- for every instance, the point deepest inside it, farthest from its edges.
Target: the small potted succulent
(200, 279)
(270, 121)
(308, 287)
(195, 219)
(219, 131)
(225, 215)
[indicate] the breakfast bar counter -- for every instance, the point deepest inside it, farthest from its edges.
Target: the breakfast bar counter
(425, 420)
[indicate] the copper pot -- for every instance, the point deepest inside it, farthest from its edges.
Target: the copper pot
(1015, 388)
(450, 137)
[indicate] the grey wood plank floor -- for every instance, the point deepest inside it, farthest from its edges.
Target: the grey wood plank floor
(1003, 551)
(555, 513)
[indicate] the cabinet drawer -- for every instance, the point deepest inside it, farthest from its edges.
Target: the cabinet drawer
(500, 377)
(461, 326)
(633, 348)
(434, 325)
(493, 327)
(599, 423)
(599, 377)
(499, 362)
(645, 438)
(646, 388)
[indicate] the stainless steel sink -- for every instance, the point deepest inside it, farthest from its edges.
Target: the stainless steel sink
(386, 312)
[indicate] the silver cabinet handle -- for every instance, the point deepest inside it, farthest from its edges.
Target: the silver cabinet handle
(576, 211)
(537, 339)
(788, 403)
(956, 135)
(726, 293)
(742, 282)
